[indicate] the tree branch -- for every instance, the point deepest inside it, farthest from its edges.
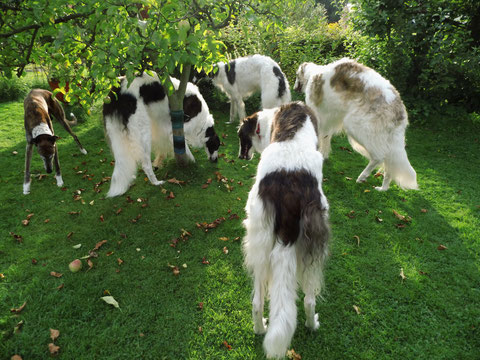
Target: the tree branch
(38, 26)
(29, 53)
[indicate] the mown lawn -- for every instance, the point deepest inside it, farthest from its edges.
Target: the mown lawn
(183, 291)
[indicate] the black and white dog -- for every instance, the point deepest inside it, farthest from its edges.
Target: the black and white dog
(39, 106)
(287, 230)
(244, 76)
(346, 95)
(137, 122)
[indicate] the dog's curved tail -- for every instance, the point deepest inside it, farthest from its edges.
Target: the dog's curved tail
(310, 249)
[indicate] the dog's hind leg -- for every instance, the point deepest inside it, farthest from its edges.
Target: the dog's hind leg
(59, 114)
(324, 145)
(259, 322)
(58, 174)
(387, 178)
(27, 178)
(368, 169)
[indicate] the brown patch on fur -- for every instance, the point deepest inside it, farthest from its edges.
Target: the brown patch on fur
(289, 119)
(346, 81)
(300, 80)
(317, 89)
(296, 202)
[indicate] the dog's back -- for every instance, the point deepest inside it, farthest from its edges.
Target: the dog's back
(287, 224)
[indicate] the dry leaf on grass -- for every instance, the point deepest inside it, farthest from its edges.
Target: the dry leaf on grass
(17, 311)
(227, 345)
(442, 247)
(175, 181)
(111, 301)
(18, 327)
(18, 238)
(54, 349)
(292, 355)
(402, 275)
(357, 309)
(55, 274)
(54, 334)
(99, 244)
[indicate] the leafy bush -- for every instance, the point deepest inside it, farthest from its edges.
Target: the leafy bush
(12, 89)
(429, 50)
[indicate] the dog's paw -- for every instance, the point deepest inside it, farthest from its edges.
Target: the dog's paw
(59, 180)
(83, 151)
(380, 188)
(26, 189)
(313, 325)
(260, 329)
(361, 179)
(158, 182)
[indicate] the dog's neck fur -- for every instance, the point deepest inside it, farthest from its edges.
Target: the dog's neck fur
(41, 129)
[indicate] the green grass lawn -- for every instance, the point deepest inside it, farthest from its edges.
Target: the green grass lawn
(204, 311)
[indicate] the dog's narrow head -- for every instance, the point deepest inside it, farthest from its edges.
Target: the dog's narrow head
(46, 149)
(245, 132)
(202, 74)
(212, 145)
(300, 80)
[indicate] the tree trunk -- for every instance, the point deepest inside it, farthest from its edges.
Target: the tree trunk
(176, 115)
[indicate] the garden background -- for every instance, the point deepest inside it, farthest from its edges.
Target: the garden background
(403, 278)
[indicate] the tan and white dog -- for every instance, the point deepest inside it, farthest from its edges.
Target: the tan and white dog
(349, 96)
(39, 106)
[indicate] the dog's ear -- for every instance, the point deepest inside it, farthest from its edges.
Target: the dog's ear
(53, 138)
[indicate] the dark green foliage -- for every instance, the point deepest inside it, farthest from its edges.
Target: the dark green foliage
(428, 49)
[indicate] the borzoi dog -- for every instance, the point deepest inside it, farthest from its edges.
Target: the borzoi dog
(39, 106)
(137, 121)
(287, 228)
(254, 133)
(244, 76)
(350, 96)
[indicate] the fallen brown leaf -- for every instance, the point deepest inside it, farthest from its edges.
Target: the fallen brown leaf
(424, 211)
(18, 327)
(29, 216)
(18, 238)
(46, 221)
(60, 287)
(90, 264)
(225, 250)
(357, 309)
(205, 261)
(358, 239)
(54, 349)
(18, 310)
(101, 218)
(402, 275)
(227, 345)
(118, 211)
(69, 235)
(99, 244)
(292, 355)
(54, 334)
(171, 195)
(120, 261)
(442, 247)
(175, 181)
(25, 222)
(55, 274)
(223, 238)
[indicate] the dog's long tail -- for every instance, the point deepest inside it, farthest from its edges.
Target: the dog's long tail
(400, 170)
(310, 250)
(283, 296)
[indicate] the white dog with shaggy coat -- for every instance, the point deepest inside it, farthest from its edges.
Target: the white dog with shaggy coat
(287, 231)
(346, 95)
(244, 76)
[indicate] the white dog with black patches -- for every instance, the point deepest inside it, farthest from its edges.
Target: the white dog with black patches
(287, 230)
(244, 76)
(346, 95)
(137, 121)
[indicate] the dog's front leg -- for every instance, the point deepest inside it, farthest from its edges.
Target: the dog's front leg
(27, 179)
(58, 174)
(233, 111)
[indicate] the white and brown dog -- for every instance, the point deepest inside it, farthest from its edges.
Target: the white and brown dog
(287, 230)
(39, 106)
(346, 95)
(137, 122)
(244, 76)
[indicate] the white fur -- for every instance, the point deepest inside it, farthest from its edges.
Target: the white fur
(150, 129)
(41, 129)
(252, 74)
(377, 135)
(277, 269)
